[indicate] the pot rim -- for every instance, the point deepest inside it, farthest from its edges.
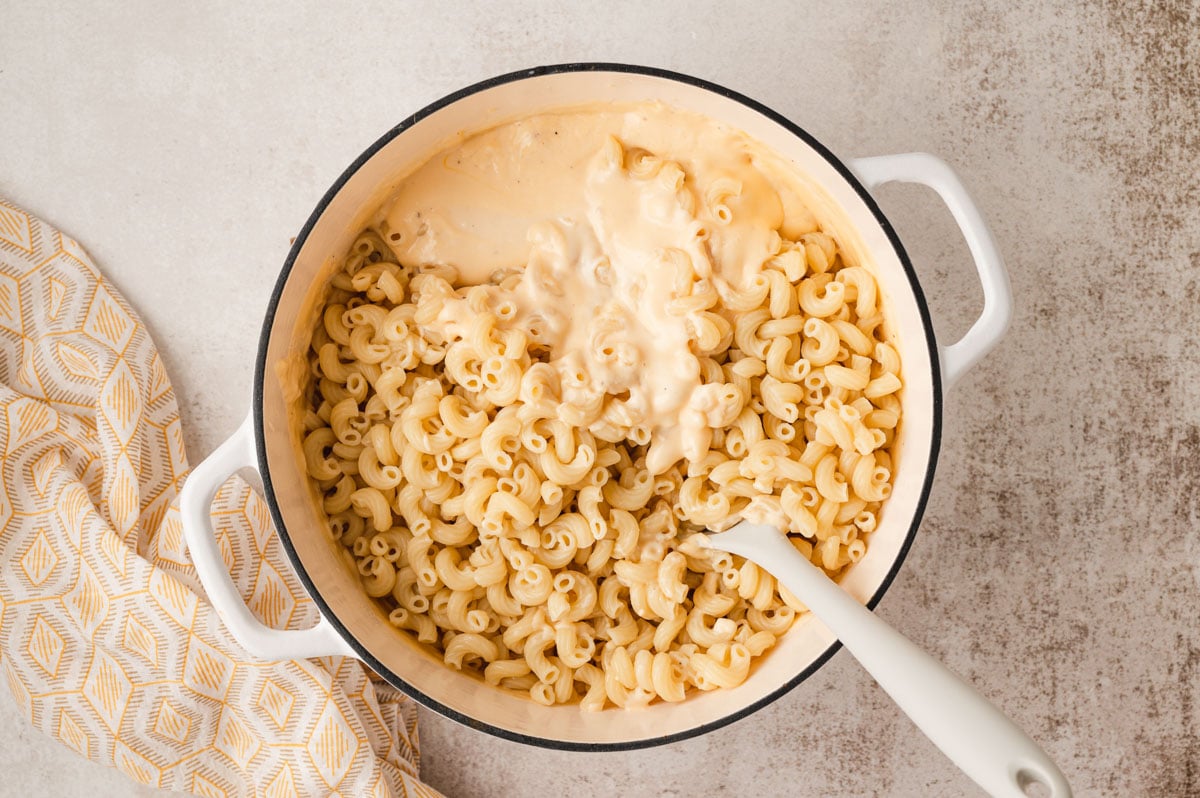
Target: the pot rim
(260, 370)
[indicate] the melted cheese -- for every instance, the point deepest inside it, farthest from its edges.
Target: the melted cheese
(595, 209)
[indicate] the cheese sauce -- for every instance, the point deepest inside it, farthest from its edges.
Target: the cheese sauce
(600, 219)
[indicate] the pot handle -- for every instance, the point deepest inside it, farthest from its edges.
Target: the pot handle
(195, 506)
(931, 171)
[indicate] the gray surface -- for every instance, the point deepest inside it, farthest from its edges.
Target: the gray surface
(1055, 567)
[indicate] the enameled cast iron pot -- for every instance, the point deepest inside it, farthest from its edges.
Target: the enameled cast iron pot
(351, 622)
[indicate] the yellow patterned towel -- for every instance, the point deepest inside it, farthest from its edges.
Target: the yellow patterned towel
(106, 639)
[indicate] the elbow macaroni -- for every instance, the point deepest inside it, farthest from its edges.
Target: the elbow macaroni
(516, 528)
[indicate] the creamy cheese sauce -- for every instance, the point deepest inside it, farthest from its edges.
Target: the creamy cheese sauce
(594, 221)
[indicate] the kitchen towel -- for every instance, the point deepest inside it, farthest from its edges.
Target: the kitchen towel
(106, 639)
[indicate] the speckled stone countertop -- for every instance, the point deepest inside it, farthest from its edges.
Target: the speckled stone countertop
(1056, 566)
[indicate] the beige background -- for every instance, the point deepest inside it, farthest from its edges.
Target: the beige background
(1056, 564)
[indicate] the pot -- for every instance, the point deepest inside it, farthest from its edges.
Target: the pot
(353, 625)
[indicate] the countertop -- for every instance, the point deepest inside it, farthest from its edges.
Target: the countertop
(1056, 565)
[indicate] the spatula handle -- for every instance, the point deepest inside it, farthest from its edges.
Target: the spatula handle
(973, 733)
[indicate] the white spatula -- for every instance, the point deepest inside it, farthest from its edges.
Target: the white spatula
(976, 736)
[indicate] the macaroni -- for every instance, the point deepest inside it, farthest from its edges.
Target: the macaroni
(520, 489)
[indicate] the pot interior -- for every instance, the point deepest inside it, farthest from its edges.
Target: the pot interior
(838, 204)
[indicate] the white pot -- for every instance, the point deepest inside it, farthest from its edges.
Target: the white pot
(354, 625)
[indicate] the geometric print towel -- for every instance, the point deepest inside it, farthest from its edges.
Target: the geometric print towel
(106, 638)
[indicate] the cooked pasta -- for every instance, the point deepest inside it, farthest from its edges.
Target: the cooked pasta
(535, 524)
